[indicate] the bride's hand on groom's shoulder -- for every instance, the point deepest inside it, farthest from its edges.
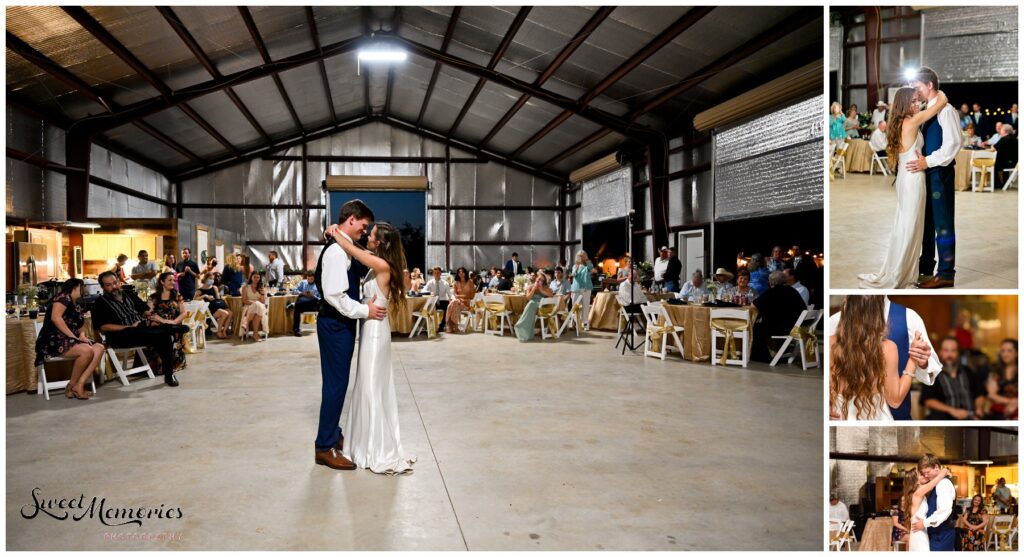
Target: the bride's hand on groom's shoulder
(331, 231)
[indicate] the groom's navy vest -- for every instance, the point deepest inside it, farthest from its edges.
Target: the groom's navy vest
(932, 132)
(943, 533)
(326, 309)
(898, 333)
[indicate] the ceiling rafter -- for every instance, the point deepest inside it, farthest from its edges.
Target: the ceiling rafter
(752, 46)
(100, 33)
(23, 49)
(254, 32)
(366, 14)
(688, 20)
(452, 21)
(499, 53)
(200, 55)
(577, 40)
(315, 35)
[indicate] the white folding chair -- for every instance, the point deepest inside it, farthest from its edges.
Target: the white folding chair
(503, 315)
(846, 536)
(977, 170)
(471, 316)
(45, 386)
(1012, 180)
(311, 324)
(808, 319)
(568, 317)
(623, 316)
(659, 323)
(195, 320)
(839, 158)
(548, 308)
(426, 312)
(120, 368)
(1001, 523)
(743, 337)
(875, 159)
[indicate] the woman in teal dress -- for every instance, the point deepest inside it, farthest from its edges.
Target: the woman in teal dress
(582, 285)
(537, 291)
(837, 123)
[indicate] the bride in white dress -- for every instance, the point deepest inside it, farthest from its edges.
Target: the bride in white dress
(899, 269)
(915, 506)
(372, 438)
(864, 379)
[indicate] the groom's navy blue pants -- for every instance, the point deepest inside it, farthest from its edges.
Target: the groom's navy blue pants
(942, 540)
(939, 229)
(337, 342)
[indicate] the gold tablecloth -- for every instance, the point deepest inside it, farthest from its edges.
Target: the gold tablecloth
(515, 303)
(697, 334)
(279, 319)
(877, 535)
(858, 155)
(401, 321)
(963, 170)
(604, 311)
(21, 356)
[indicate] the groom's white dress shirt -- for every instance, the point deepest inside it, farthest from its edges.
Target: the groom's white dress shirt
(915, 325)
(951, 140)
(334, 277)
(945, 493)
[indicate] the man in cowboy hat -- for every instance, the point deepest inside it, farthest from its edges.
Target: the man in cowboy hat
(879, 114)
(723, 279)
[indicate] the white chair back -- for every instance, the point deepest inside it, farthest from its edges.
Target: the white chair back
(976, 155)
(494, 299)
(655, 311)
(729, 313)
(550, 301)
(431, 302)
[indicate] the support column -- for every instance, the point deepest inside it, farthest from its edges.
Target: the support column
(304, 219)
(447, 207)
(78, 149)
(179, 209)
(562, 232)
(872, 35)
(657, 175)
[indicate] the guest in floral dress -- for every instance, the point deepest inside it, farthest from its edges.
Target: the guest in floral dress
(61, 335)
(168, 309)
(972, 526)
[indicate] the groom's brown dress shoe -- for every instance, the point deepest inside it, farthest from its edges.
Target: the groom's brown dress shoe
(332, 458)
(936, 282)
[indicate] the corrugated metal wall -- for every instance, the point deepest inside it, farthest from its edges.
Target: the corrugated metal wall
(770, 164)
(971, 43)
(104, 203)
(33, 193)
(835, 48)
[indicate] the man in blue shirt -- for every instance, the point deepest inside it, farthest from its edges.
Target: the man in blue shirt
(308, 301)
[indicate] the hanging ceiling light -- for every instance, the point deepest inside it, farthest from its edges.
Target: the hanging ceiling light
(382, 52)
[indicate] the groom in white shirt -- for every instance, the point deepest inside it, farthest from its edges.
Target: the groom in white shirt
(939, 522)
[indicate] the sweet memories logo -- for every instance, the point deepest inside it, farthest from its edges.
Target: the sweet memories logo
(96, 508)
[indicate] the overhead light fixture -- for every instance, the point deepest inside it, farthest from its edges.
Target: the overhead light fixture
(981, 462)
(382, 54)
(910, 74)
(90, 225)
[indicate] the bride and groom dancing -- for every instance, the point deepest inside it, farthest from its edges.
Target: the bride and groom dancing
(922, 143)
(372, 423)
(928, 496)
(877, 348)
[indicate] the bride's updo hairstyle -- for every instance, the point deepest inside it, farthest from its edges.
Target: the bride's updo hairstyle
(902, 107)
(858, 366)
(389, 248)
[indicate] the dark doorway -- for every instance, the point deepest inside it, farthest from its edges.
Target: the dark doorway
(407, 210)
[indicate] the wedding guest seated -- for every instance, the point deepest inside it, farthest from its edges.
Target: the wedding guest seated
(951, 397)
(417, 279)
(1002, 387)
(475, 280)
(971, 138)
(308, 301)
(1006, 154)
(837, 511)
(209, 292)
(631, 291)
(494, 278)
(694, 287)
(254, 308)
(723, 280)
(168, 309)
(559, 285)
(994, 139)
(775, 262)
(464, 290)
(878, 140)
(407, 281)
(505, 282)
(1002, 497)
(123, 318)
(537, 291)
(777, 311)
(439, 287)
(234, 274)
(62, 336)
(852, 124)
(793, 283)
(743, 287)
(758, 274)
(210, 269)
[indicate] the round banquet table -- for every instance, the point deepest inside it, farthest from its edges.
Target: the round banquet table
(877, 535)
(697, 333)
(604, 311)
(858, 155)
(401, 322)
(279, 318)
(962, 180)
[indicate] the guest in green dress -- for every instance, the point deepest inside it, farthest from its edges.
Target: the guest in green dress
(582, 285)
(537, 291)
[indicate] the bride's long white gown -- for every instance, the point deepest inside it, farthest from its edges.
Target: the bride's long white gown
(899, 270)
(918, 541)
(372, 438)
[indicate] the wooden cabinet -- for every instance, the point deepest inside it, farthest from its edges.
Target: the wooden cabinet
(118, 244)
(147, 243)
(95, 246)
(888, 492)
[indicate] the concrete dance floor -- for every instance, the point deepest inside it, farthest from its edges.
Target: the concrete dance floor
(560, 445)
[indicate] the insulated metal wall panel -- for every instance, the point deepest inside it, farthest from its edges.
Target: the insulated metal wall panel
(835, 48)
(971, 43)
(128, 173)
(770, 164)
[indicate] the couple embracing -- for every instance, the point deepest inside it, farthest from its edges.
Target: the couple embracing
(927, 507)
(923, 139)
(346, 275)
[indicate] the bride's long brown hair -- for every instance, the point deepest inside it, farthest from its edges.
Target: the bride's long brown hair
(902, 107)
(857, 361)
(910, 480)
(389, 248)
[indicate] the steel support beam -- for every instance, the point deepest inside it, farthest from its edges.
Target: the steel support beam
(315, 35)
(254, 31)
(452, 20)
